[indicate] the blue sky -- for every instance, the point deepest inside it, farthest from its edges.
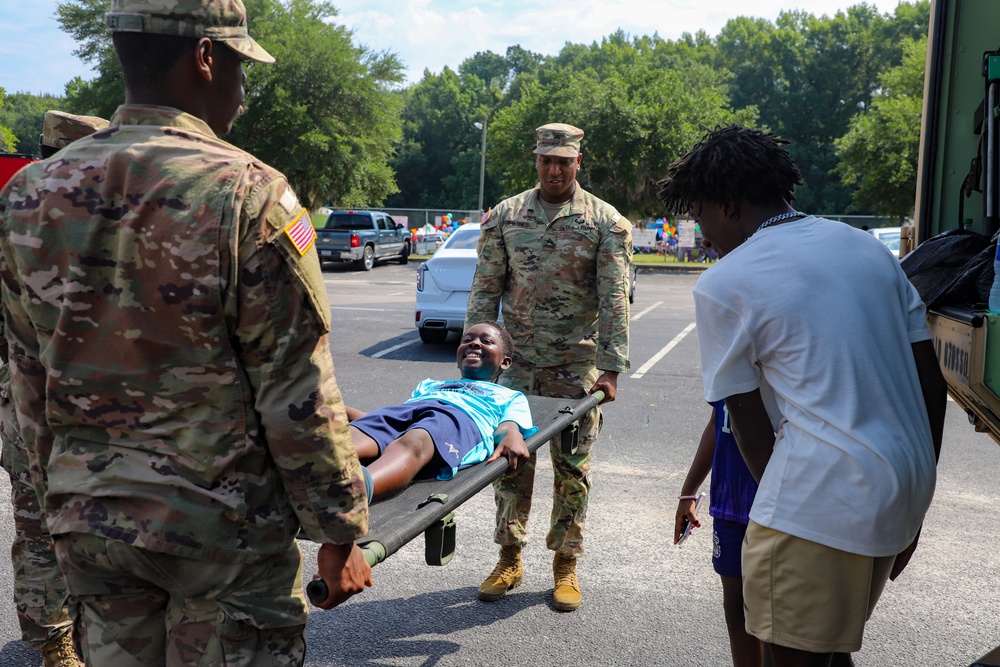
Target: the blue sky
(37, 57)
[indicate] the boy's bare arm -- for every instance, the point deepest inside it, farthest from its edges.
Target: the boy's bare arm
(700, 467)
(752, 428)
(510, 443)
(934, 389)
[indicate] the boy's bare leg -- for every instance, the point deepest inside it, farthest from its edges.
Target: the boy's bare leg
(402, 459)
(366, 448)
(747, 650)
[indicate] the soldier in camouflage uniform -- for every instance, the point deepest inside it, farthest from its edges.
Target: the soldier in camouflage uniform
(167, 324)
(60, 129)
(39, 589)
(557, 258)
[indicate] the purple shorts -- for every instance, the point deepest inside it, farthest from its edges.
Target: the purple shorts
(727, 547)
(453, 432)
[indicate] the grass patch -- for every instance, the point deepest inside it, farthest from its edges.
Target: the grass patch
(649, 259)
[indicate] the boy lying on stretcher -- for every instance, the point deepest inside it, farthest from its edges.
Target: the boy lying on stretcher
(447, 425)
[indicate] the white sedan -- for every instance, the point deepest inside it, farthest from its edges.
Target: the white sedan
(443, 285)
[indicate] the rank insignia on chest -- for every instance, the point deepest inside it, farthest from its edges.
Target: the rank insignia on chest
(301, 233)
(582, 223)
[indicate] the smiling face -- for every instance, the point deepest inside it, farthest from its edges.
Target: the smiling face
(557, 176)
(481, 354)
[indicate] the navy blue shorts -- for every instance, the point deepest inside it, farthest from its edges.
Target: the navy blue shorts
(727, 546)
(453, 432)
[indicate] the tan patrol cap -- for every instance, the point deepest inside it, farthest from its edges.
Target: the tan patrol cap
(60, 129)
(558, 139)
(220, 20)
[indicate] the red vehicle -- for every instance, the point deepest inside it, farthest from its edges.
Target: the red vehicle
(11, 163)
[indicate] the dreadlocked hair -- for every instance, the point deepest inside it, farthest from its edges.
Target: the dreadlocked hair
(729, 165)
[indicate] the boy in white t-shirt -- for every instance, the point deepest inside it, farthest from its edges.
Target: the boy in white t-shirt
(818, 344)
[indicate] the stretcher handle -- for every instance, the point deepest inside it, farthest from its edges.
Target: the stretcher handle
(374, 552)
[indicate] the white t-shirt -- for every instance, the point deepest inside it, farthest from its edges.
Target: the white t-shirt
(821, 318)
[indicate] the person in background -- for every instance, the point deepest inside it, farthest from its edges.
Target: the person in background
(168, 329)
(40, 594)
(731, 497)
(843, 438)
(557, 258)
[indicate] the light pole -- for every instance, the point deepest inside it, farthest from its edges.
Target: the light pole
(482, 162)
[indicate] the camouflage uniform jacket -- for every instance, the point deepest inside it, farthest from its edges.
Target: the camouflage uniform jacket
(169, 346)
(563, 284)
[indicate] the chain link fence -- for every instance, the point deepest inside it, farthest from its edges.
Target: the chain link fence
(866, 221)
(412, 218)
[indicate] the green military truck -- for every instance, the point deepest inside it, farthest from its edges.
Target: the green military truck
(958, 192)
(950, 249)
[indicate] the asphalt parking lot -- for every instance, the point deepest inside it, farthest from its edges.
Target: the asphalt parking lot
(645, 602)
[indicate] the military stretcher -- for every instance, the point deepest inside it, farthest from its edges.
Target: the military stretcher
(428, 506)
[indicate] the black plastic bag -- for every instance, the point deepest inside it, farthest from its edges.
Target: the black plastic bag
(954, 268)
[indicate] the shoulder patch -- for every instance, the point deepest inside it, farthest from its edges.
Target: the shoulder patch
(616, 217)
(288, 200)
(300, 231)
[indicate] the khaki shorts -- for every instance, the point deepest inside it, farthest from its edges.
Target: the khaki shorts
(807, 596)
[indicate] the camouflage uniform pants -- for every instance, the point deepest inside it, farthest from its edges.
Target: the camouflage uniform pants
(571, 486)
(39, 590)
(140, 608)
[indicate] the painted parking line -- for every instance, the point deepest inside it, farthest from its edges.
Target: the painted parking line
(662, 353)
(382, 353)
(374, 310)
(635, 317)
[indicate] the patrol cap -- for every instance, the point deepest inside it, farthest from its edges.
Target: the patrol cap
(220, 20)
(558, 139)
(60, 129)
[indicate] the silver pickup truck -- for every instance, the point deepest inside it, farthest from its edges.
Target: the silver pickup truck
(362, 237)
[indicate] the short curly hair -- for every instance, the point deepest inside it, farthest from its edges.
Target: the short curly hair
(506, 341)
(729, 165)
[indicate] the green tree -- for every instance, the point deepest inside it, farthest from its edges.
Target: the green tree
(809, 76)
(437, 128)
(438, 162)
(23, 114)
(84, 21)
(325, 113)
(638, 114)
(7, 139)
(878, 155)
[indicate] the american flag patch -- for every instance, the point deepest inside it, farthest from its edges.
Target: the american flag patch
(301, 232)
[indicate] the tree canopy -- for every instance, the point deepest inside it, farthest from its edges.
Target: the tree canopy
(8, 140)
(325, 113)
(878, 155)
(335, 117)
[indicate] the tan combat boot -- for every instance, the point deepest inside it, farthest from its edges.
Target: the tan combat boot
(505, 576)
(566, 596)
(60, 652)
